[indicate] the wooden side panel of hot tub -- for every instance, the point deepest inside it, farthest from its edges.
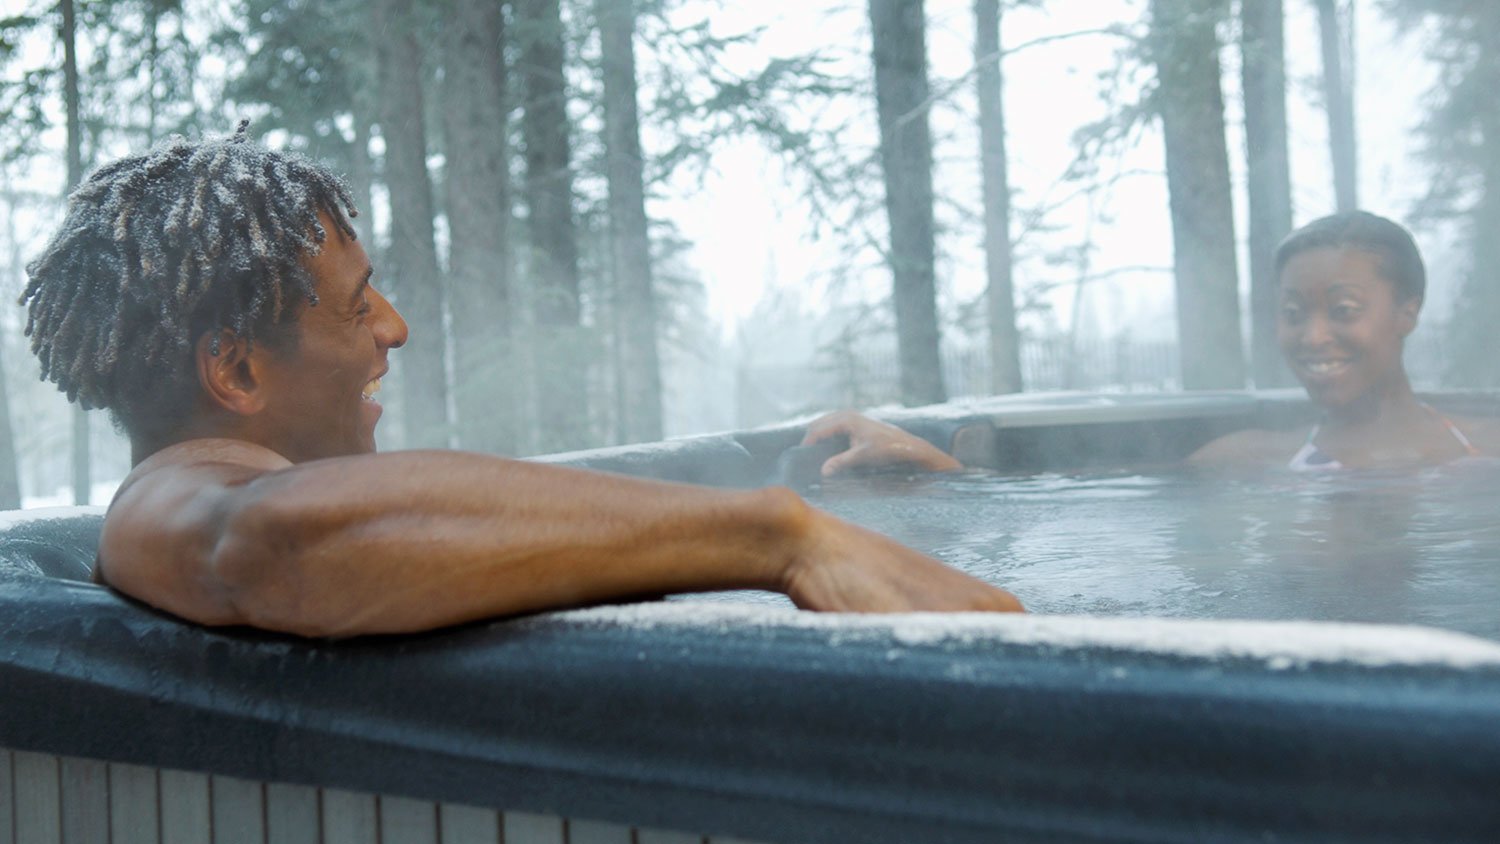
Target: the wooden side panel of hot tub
(47, 799)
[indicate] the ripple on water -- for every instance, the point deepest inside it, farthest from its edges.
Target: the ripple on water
(1418, 548)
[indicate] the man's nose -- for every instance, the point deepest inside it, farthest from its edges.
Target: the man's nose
(390, 328)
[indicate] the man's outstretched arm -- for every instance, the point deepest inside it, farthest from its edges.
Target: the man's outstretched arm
(225, 532)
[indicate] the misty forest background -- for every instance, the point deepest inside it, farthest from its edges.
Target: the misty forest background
(513, 159)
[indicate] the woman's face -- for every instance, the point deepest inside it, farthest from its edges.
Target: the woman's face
(1340, 325)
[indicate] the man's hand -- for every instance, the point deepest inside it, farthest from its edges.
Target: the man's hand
(846, 568)
(874, 444)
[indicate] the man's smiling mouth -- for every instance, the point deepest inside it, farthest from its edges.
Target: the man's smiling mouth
(371, 389)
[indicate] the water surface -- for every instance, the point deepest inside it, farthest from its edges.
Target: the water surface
(1409, 548)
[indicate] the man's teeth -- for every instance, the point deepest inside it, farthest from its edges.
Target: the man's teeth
(372, 388)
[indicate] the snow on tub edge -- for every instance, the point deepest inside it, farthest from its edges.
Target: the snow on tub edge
(1280, 644)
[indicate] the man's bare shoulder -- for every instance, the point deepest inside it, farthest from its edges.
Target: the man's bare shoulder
(168, 503)
(204, 456)
(209, 451)
(1250, 448)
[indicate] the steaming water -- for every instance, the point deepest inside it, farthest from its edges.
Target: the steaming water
(1419, 548)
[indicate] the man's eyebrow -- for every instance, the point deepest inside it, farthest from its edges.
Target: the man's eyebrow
(364, 282)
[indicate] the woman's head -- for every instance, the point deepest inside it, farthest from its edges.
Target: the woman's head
(1350, 288)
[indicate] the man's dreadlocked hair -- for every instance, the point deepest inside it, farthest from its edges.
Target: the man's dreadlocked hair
(158, 249)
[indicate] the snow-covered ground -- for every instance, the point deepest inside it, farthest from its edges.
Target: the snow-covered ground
(99, 495)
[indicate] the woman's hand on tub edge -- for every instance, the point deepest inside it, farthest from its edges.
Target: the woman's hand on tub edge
(875, 444)
(846, 568)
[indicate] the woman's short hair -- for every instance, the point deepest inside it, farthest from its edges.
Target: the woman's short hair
(1387, 240)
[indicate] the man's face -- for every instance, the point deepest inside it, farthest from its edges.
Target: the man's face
(320, 391)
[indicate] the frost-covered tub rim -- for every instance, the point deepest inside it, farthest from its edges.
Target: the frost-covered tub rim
(778, 726)
(1278, 644)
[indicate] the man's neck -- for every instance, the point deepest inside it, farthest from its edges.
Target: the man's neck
(144, 445)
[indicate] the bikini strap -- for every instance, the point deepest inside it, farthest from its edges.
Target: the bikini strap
(1309, 458)
(1453, 429)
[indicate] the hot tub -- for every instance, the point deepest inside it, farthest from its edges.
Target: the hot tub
(712, 721)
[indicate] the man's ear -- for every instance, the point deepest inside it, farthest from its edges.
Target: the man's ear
(228, 373)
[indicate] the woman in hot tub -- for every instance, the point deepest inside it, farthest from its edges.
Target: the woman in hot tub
(1352, 286)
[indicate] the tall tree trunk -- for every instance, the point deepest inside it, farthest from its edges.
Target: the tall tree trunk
(1470, 362)
(1269, 180)
(362, 180)
(1083, 263)
(1005, 339)
(1473, 358)
(1338, 96)
(10, 476)
(1185, 47)
(153, 57)
(479, 211)
(10, 483)
(364, 113)
(561, 353)
(635, 311)
(901, 92)
(82, 470)
(412, 258)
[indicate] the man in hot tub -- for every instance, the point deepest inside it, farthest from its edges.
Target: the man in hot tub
(214, 298)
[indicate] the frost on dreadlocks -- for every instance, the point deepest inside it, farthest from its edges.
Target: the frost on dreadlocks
(158, 249)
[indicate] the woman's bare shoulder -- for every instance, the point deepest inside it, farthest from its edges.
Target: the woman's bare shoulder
(1482, 431)
(1256, 447)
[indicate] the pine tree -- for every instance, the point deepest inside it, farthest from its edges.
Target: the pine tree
(1336, 39)
(560, 347)
(68, 32)
(1184, 45)
(309, 70)
(635, 312)
(901, 93)
(413, 272)
(1268, 176)
(1462, 133)
(478, 191)
(10, 481)
(1004, 338)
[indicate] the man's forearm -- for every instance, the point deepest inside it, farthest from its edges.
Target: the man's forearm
(415, 540)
